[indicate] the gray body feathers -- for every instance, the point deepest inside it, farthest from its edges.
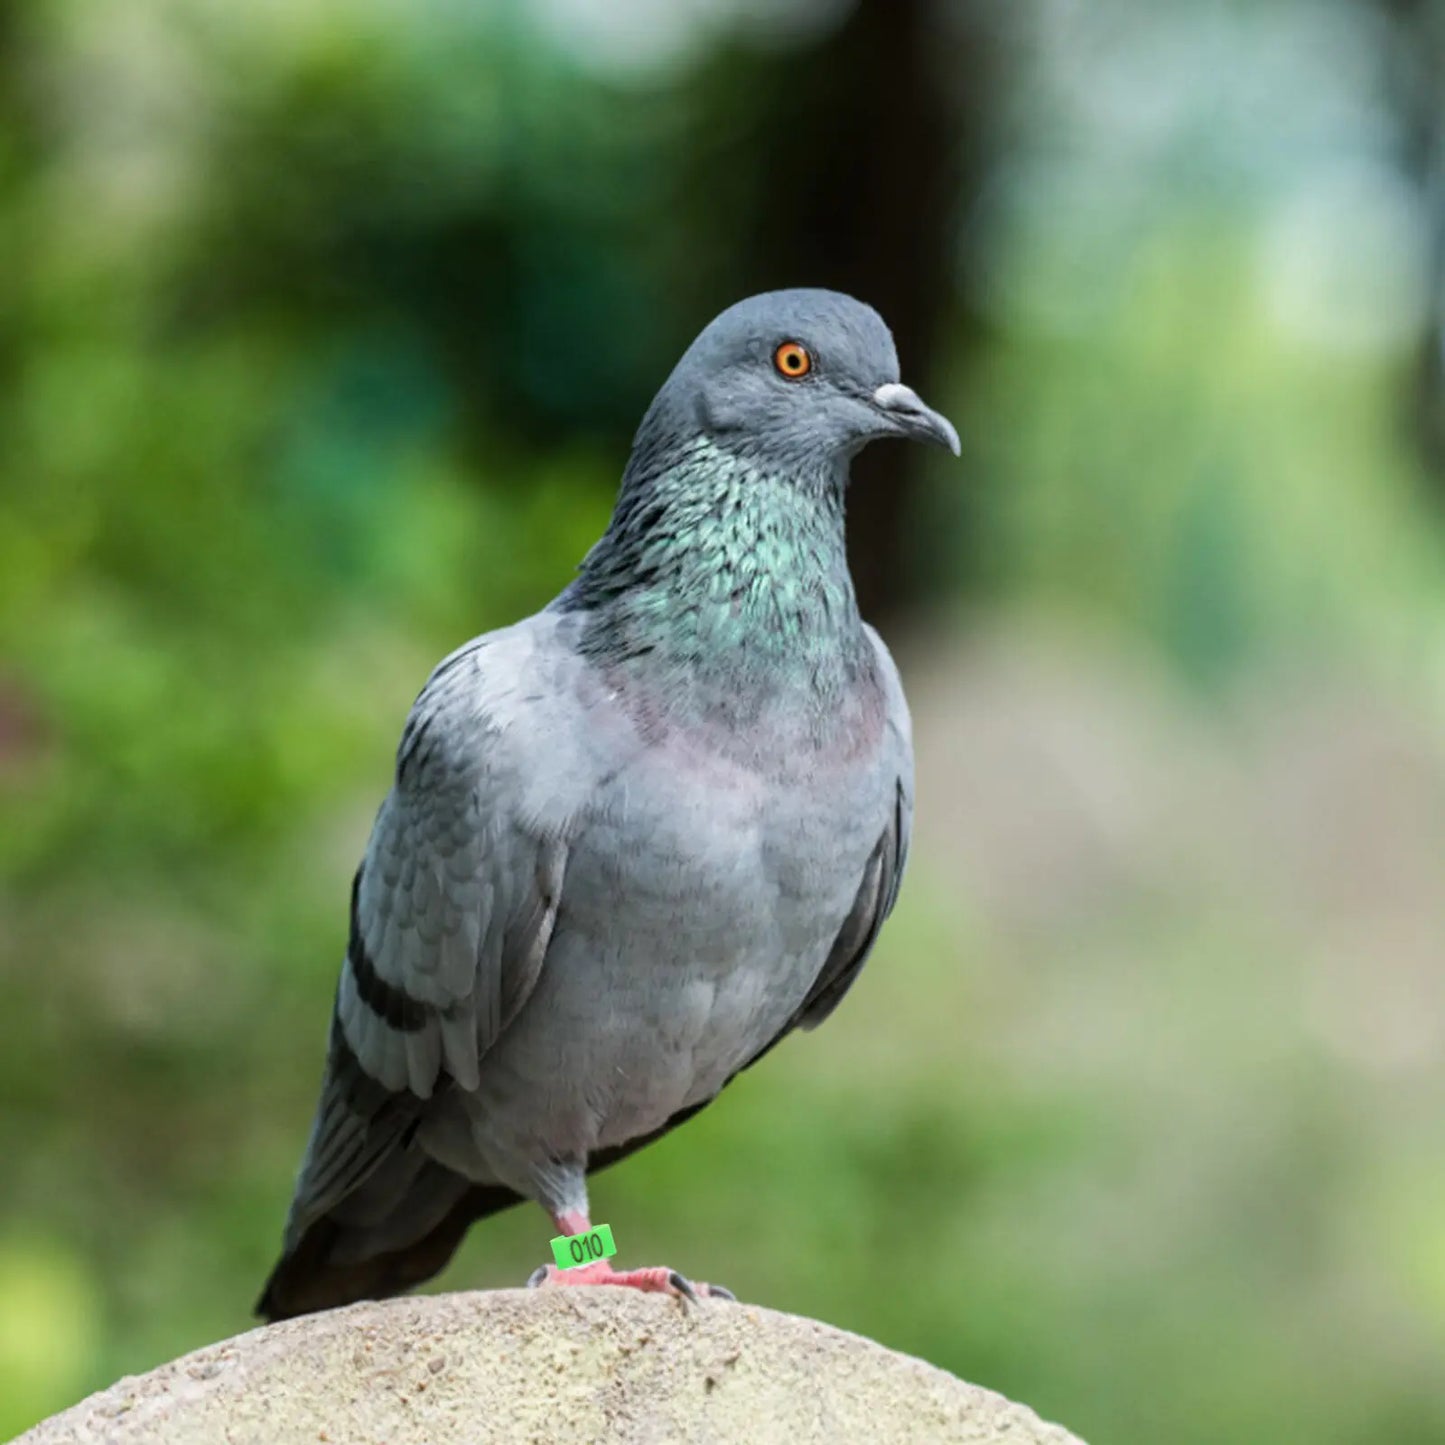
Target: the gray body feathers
(632, 841)
(568, 930)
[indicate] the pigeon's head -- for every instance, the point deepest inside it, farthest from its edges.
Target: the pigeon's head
(794, 378)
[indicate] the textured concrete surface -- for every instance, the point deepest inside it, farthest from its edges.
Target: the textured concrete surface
(547, 1366)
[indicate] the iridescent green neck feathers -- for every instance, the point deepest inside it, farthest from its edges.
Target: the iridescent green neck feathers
(725, 571)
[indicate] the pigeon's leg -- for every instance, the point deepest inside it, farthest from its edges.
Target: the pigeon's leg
(656, 1280)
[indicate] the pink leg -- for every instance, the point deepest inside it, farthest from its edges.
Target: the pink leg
(658, 1279)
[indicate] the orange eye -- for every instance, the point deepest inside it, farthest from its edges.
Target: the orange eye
(793, 360)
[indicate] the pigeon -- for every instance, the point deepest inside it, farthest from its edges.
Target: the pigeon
(632, 841)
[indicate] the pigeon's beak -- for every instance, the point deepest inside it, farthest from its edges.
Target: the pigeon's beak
(905, 409)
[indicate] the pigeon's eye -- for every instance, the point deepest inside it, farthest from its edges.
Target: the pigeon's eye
(793, 360)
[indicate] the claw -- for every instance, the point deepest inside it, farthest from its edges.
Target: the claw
(657, 1280)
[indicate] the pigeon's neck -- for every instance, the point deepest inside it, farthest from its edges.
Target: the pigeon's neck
(719, 569)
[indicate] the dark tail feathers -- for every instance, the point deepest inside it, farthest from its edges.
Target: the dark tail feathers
(321, 1273)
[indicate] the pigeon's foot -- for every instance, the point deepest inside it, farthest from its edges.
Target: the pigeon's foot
(657, 1280)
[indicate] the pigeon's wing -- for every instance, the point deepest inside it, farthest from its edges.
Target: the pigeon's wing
(453, 906)
(451, 913)
(877, 893)
(874, 902)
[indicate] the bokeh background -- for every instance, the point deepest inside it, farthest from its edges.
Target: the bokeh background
(323, 328)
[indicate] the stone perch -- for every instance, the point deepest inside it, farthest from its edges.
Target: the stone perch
(542, 1366)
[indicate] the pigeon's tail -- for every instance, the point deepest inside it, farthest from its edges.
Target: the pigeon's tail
(337, 1260)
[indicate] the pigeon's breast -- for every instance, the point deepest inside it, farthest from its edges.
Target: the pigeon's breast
(716, 864)
(702, 894)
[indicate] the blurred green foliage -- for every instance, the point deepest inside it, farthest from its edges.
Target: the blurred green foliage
(322, 330)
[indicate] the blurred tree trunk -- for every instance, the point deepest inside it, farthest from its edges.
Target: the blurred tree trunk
(872, 146)
(1416, 64)
(16, 155)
